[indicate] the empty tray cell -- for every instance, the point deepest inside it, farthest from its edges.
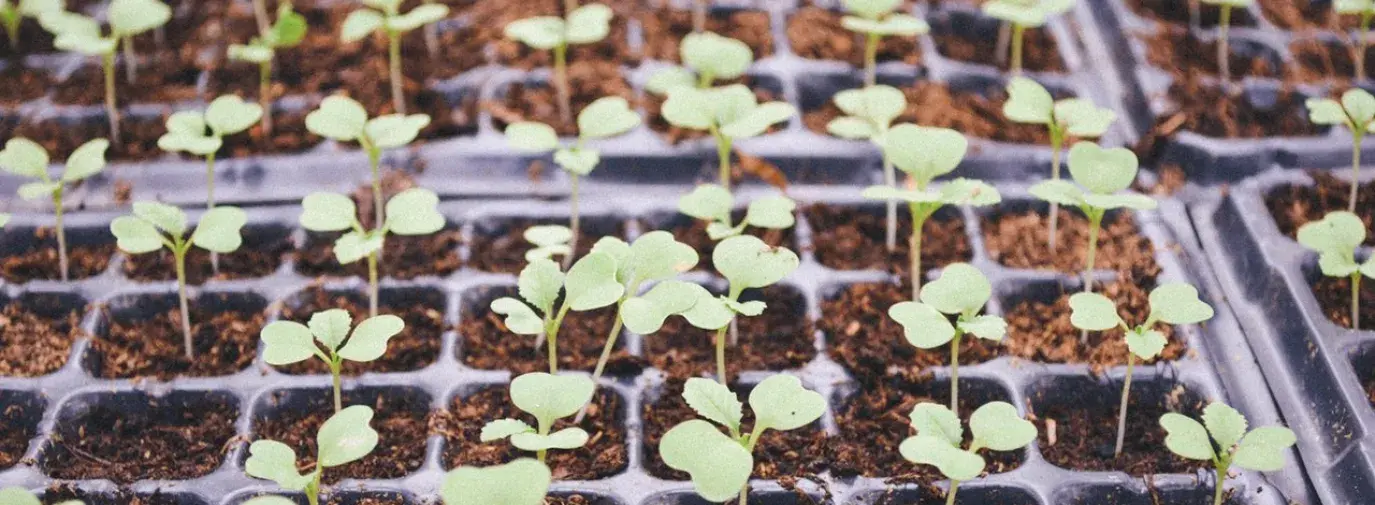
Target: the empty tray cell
(37, 331)
(28, 253)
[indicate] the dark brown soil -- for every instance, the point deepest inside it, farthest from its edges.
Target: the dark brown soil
(1319, 60)
(32, 342)
(1177, 12)
(166, 443)
(159, 81)
(604, 455)
(673, 134)
(58, 493)
(260, 256)
(694, 233)
(489, 18)
(816, 33)
(1295, 205)
(977, 113)
(1334, 296)
(22, 84)
(403, 257)
(400, 422)
(1084, 434)
(20, 429)
(1041, 332)
(795, 453)
(779, 339)
(289, 135)
(1018, 239)
(489, 345)
(505, 252)
(33, 39)
(1041, 53)
(1210, 111)
(587, 81)
(1303, 15)
(60, 137)
(848, 238)
(225, 343)
(664, 29)
(416, 347)
(1176, 49)
(39, 262)
(867, 342)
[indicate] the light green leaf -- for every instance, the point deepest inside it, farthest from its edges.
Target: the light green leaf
(90, 45)
(969, 192)
(256, 500)
(219, 229)
(420, 16)
(998, 426)
(1326, 111)
(731, 102)
(750, 308)
(722, 58)
(1186, 437)
(757, 120)
(414, 212)
(871, 9)
(567, 438)
(1146, 344)
(719, 230)
(689, 108)
(359, 24)
(346, 437)
(549, 234)
(520, 482)
(165, 217)
(924, 152)
(273, 460)
(198, 144)
(591, 283)
(657, 255)
(607, 117)
(1082, 118)
(670, 78)
(24, 157)
(252, 53)
(520, 318)
(35, 8)
(18, 496)
(709, 202)
(354, 246)
(229, 114)
(540, 32)
(646, 314)
(135, 236)
(923, 325)
(531, 136)
(954, 463)
(86, 160)
(588, 24)
(1225, 424)
(719, 466)
(773, 212)
(539, 283)
(1338, 232)
(987, 327)
(781, 403)
(38, 190)
(1102, 171)
(1093, 312)
(330, 327)
(852, 128)
(934, 420)
(1263, 448)
(1351, 6)
(551, 397)
(132, 17)
(369, 339)
(290, 28)
(709, 313)
(4, 220)
(1337, 264)
(714, 401)
(748, 262)
(1058, 191)
(1178, 303)
(1126, 199)
(339, 118)
(1367, 269)
(503, 428)
(895, 24)
(327, 212)
(879, 104)
(961, 289)
(287, 342)
(395, 130)
(63, 23)
(579, 161)
(1028, 102)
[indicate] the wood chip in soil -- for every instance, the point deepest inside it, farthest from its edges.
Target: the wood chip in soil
(848, 238)
(416, 347)
(779, 339)
(489, 345)
(1041, 332)
(816, 33)
(1294, 205)
(40, 260)
(976, 113)
(400, 421)
(225, 343)
(505, 252)
(1085, 434)
(34, 344)
(260, 256)
(164, 443)
(1018, 239)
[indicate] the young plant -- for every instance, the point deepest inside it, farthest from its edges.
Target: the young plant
(746, 263)
(1224, 22)
(707, 58)
(20, 496)
(1022, 15)
(589, 284)
(712, 203)
(1261, 449)
(410, 212)
(1106, 174)
(344, 120)
(1356, 111)
(1175, 303)
(385, 17)
(925, 153)
(876, 19)
(996, 426)
(730, 113)
(961, 291)
(1365, 10)
(720, 464)
(1335, 238)
(288, 31)
(549, 240)
(344, 438)
(584, 25)
(548, 398)
(869, 113)
(25, 158)
(202, 133)
(1029, 102)
(606, 117)
(81, 34)
(520, 482)
(13, 12)
(156, 225)
(326, 336)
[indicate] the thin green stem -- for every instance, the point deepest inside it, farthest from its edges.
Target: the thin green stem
(1095, 222)
(955, 371)
(542, 454)
(372, 283)
(375, 164)
(1356, 137)
(1223, 62)
(398, 97)
(1222, 468)
(130, 61)
(918, 223)
(313, 489)
(63, 264)
(111, 107)
(265, 96)
(553, 338)
(179, 255)
(561, 84)
(574, 222)
(721, 356)
(606, 349)
(12, 29)
(1356, 301)
(1362, 43)
(1017, 31)
(890, 178)
(1057, 138)
(870, 59)
(723, 145)
(334, 370)
(1122, 408)
(210, 203)
(950, 496)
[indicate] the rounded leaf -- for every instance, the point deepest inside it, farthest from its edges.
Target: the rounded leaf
(935, 420)
(1186, 437)
(709, 313)
(287, 342)
(1146, 344)
(718, 466)
(670, 78)
(346, 436)
(646, 314)
(38, 190)
(520, 318)
(588, 24)
(607, 117)
(414, 212)
(87, 160)
(924, 152)
(880, 104)
(545, 235)
(354, 246)
(689, 108)
(551, 397)
(987, 327)
(1028, 102)
(579, 161)
(961, 289)
(953, 462)
(567, 438)
(773, 212)
(540, 32)
(273, 460)
(134, 235)
(219, 229)
(781, 403)
(395, 130)
(359, 24)
(1359, 106)
(165, 217)
(327, 212)
(521, 482)
(1081, 118)
(710, 202)
(1093, 312)
(1326, 111)
(503, 428)
(339, 117)
(658, 255)
(1102, 171)
(758, 119)
(369, 339)
(1058, 191)
(18, 496)
(591, 283)
(923, 325)
(871, 9)
(723, 58)
(25, 158)
(531, 136)
(1263, 448)
(998, 426)
(1178, 303)
(420, 16)
(269, 500)
(748, 262)
(330, 327)
(229, 114)
(853, 128)
(1338, 232)
(132, 17)
(1225, 424)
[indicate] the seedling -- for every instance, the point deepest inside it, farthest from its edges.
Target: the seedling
(1106, 174)
(81, 34)
(1022, 15)
(25, 158)
(13, 12)
(548, 398)
(1222, 438)
(925, 153)
(156, 225)
(410, 212)
(606, 117)
(712, 203)
(549, 240)
(20, 496)
(344, 438)
(590, 284)
(720, 464)
(707, 58)
(996, 426)
(962, 291)
(747, 263)
(520, 482)
(1357, 112)
(730, 113)
(202, 133)
(1175, 303)
(344, 119)
(869, 113)
(1365, 9)
(288, 31)
(327, 337)
(385, 16)
(1223, 23)
(876, 19)
(1335, 238)
(584, 25)
(1029, 102)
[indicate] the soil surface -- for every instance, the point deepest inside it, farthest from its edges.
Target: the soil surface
(489, 345)
(1177, 12)
(1176, 49)
(225, 342)
(816, 33)
(159, 81)
(60, 137)
(260, 256)
(849, 238)
(977, 113)
(1211, 111)
(33, 39)
(1041, 332)
(1304, 15)
(1334, 296)
(1040, 50)
(504, 250)
(779, 339)
(20, 428)
(165, 443)
(1084, 434)
(664, 29)
(403, 257)
(39, 260)
(416, 347)
(36, 339)
(1318, 60)
(693, 232)
(58, 493)
(1293, 206)
(23, 83)
(400, 421)
(604, 455)
(587, 81)
(1017, 238)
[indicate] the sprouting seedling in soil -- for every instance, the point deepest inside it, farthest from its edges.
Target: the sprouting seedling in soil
(344, 119)
(707, 58)
(13, 12)
(1335, 238)
(21, 496)
(1224, 22)
(870, 111)
(876, 19)
(547, 398)
(549, 240)
(712, 203)
(520, 482)
(327, 336)
(1356, 111)
(606, 117)
(589, 284)
(1365, 10)
(1105, 174)
(202, 133)
(288, 31)
(962, 291)
(385, 16)
(746, 262)
(344, 438)
(584, 25)
(1222, 438)
(996, 426)
(25, 158)
(81, 34)
(1175, 303)
(1029, 102)
(720, 464)
(410, 212)
(925, 153)
(1023, 14)
(730, 113)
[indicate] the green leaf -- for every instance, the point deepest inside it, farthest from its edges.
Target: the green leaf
(1127, 199)
(1338, 232)
(369, 339)
(86, 160)
(63, 23)
(545, 235)
(924, 152)
(551, 397)
(339, 118)
(961, 289)
(1186, 437)
(895, 24)
(998, 426)
(186, 133)
(359, 24)
(607, 117)
(1351, 6)
(750, 308)
(1337, 264)
(25, 158)
(165, 217)
(1058, 191)
(395, 130)
(1367, 269)
(987, 327)
(530, 136)
(709, 313)
(954, 463)
(773, 212)
(1178, 303)
(1093, 312)
(90, 44)
(520, 318)
(414, 212)
(229, 114)
(273, 460)
(1082, 118)
(503, 428)
(781, 403)
(1102, 171)
(1024, 14)
(757, 120)
(591, 283)
(579, 161)
(1225, 424)
(748, 262)
(252, 53)
(290, 28)
(135, 236)
(1263, 448)
(132, 17)
(658, 255)
(327, 212)
(731, 102)
(922, 325)
(718, 466)
(35, 8)
(330, 327)
(540, 32)
(520, 482)
(588, 24)
(852, 128)
(710, 202)
(420, 16)
(354, 246)
(38, 190)
(218, 230)
(1028, 102)
(258, 500)
(938, 421)
(722, 58)
(287, 342)
(719, 230)
(714, 401)
(346, 437)
(4, 220)
(18, 496)
(646, 314)
(539, 283)
(871, 9)
(879, 104)
(670, 78)
(689, 108)
(969, 192)
(1146, 344)
(567, 438)
(1326, 111)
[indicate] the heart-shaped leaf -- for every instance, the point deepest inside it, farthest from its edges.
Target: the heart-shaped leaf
(1082, 118)
(135, 236)
(781, 403)
(327, 212)
(551, 397)
(658, 255)
(567, 438)
(1102, 171)
(1338, 232)
(722, 58)
(606, 117)
(1093, 312)
(25, 158)
(85, 161)
(414, 212)
(166, 218)
(877, 105)
(354, 246)
(588, 24)
(708, 202)
(1028, 102)
(923, 325)
(346, 436)
(577, 161)
(987, 327)
(924, 152)
(961, 289)
(520, 482)
(287, 342)
(718, 466)
(339, 117)
(1178, 303)
(394, 130)
(998, 426)
(591, 283)
(1225, 424)
(1186, 437)
(1146, 344)
(773, 212)
(747, 262)
(646, 314)
(930, 419)
(273, 460)
(229, 114)
(359, 24)
(132, 17)
(953, 462)
(503, 428)
(219, 229)
(1263, 448)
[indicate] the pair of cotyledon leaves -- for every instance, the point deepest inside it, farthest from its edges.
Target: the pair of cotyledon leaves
(344, 119)
(1356, 111)
(733, 110)
(343, 438)
(1335, 238)
(385, 15)
(202, 133)
(410, 212)
(1104, 173)
(711, 202)
(547, 398)
(549, 240)
(80, 33)
(1029, 102)
(925, 153)
(940, 435)
(154, 225)
(961, 290)
(288, 31)
(1174, 303)
(25, 158)
(1027, 13)
(710, 56)
(876, 17)
(287, 342)
(720, 464)
(606, 117)
(584, 25)
(1261, 449)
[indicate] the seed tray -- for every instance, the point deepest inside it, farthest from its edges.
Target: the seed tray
(1316, 368)
(1220, 366)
